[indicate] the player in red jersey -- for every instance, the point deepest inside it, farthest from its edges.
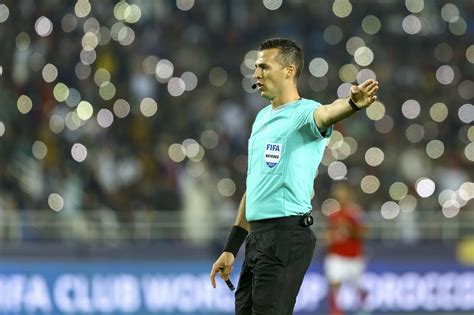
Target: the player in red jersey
(345, 258)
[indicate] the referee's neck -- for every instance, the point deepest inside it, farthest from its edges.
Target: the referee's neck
(291, 95)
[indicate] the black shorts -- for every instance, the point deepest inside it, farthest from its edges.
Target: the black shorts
(277, 254)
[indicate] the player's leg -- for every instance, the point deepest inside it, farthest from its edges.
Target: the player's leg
(357, 267)
(335, 274)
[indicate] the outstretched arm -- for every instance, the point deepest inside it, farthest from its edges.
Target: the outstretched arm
(362, 96)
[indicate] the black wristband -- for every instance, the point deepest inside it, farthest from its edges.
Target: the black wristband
(353, 105)
(236, 237)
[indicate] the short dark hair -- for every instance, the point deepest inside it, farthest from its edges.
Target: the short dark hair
(290, 52)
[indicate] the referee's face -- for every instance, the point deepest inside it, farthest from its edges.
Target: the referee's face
(270, 74)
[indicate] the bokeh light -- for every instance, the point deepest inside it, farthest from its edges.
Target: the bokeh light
(390, 210)
(439, 112)
(348, 73)
(101, 76)
(425, 187)
(342, 8)
(82, 71)
(218, 76)
(23, 41)
(272, 4)
(451, 208)
(164, 69)
(88, 57)
(55, 202)
(466, 89)
(374, 156)
(149, 64)
(353, 44)
(89, 41)
(176, 86)
(61, 92)
(78, 152)
(24, 104)
(49, 73)
(330, 206)
(190, 80)
(226, 187)
(411, 109)
(384, 125)
(369, 184)
(398, 191)
(148, 107)
(414, 6)
(470, 53)
(74, 98)
(332, 34)
(445, 74)
(84, 110)
(458, 27)
(72, 121)
(69, 23)
(435, 149)
(56, 124)
(466, 113)
(376, 111)
(105, 118)
(364, 75)
(337, 170)
(39, 150)
(209, 139)
(4, 13)
(82, 8)
(43, 26)
(107, 90)
(184, 5)
(176, 152)
(121, 108)
(469, 152)
(415, 133)
(371, 24)
(408, 203)
(343, 90)
(132, 13)
(364, 56)
(411, 24)
(318, 67)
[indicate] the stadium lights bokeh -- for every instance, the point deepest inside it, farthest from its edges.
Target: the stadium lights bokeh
(422, 125)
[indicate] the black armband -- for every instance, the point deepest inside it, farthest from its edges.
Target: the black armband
(353, 105)
(236, 237)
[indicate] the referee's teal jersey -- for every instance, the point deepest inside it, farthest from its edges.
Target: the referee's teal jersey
(284, 152)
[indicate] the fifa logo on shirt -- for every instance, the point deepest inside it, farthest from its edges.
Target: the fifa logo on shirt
(272, 154)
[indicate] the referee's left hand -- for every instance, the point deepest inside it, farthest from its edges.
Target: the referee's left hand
(363, 94)
(223, 267)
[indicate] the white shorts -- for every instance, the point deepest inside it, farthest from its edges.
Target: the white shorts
(342, 269)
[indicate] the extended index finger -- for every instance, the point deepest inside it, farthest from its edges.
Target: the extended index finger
(212, 276)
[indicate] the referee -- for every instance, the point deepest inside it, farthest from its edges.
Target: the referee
(285, 149)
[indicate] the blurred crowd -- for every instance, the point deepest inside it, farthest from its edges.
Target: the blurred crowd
(130, 165)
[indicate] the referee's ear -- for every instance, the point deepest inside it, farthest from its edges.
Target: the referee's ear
(291, 72)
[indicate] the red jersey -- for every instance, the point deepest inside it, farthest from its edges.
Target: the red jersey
(346, 231)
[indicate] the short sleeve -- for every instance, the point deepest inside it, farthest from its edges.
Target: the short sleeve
(304, 118)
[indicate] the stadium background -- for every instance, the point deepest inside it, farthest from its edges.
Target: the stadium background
(123, 137)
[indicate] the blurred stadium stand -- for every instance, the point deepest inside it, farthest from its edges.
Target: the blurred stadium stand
(124, 125)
